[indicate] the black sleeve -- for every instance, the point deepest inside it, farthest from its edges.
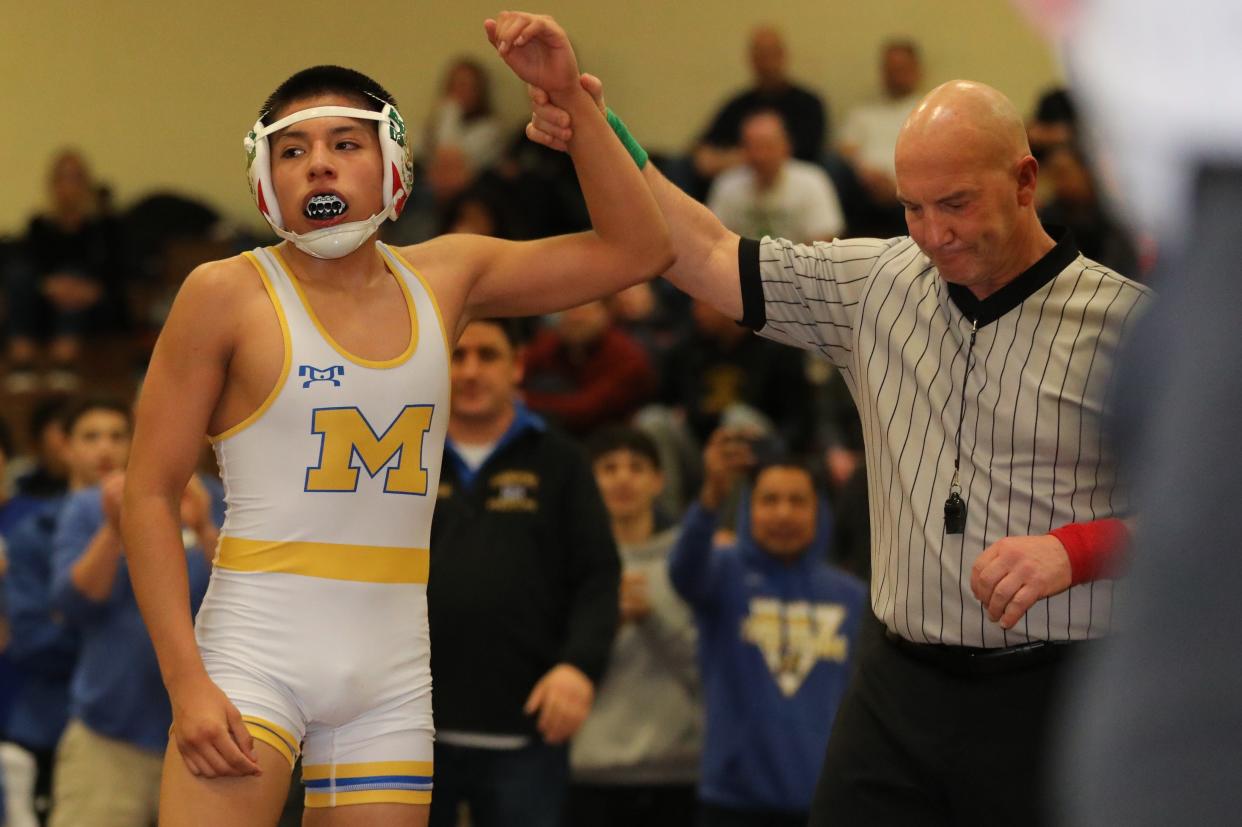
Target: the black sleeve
(594, 570)
(753, 314)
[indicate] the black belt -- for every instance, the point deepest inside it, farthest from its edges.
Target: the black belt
(968, 660)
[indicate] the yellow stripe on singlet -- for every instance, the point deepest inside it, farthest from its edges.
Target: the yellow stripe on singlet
(317, 800)
(335, 561)
(273, 735)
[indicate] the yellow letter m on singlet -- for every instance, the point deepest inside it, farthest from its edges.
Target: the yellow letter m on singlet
(346, 434)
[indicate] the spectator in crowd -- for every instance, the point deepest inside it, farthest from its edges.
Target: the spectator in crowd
(841, 439)
(463, 116)
(44, 648)
(635, 761)
(777, 627)
(1076, 203)
(46, 477)
(583, 371)
(522, 600)
(772, 193)
(480, 211)
(12, 511)
(655, 314)
(109, 759)
(462, 142)
(869, 138)
(802, 110)
(722, 366)
(1054, 123)
(66, 281)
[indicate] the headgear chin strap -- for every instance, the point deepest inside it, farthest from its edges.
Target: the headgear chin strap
(341, 239)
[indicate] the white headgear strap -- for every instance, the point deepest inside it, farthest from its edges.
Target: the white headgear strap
(341, 239)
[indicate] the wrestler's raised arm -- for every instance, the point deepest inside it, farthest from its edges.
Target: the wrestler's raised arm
(629, 241)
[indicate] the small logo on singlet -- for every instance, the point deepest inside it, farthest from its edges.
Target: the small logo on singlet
(313, 374)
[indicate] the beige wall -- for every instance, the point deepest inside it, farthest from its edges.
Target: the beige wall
(159, 94)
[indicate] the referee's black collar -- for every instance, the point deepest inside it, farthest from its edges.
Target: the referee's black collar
(1023, 287)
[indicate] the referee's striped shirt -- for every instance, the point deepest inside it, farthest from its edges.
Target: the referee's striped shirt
(1033, 456)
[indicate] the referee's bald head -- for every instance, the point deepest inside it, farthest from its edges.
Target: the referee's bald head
(968, 116)
(966, 178)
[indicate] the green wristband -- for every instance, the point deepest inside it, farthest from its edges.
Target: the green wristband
(627, 140)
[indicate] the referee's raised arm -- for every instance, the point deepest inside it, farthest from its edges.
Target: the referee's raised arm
(788, 291)
(705, 251)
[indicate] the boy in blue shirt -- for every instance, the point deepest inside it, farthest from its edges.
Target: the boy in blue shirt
(777, 626)
(43, 647)
(109, 758)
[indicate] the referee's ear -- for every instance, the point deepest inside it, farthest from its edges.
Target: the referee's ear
(1027, 172)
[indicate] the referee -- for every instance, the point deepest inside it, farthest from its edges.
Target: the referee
(978, 351)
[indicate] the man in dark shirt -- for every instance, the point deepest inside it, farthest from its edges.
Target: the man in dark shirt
(67, 280)
(522, 598)
(802, 110)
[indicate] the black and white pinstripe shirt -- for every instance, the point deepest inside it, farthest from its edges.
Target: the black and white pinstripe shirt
(1033, 456)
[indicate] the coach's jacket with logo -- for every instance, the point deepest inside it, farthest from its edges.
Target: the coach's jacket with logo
(524, 575)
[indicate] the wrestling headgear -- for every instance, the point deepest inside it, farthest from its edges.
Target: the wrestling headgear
(341, 239)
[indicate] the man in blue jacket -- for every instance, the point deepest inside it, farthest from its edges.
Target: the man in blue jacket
(777, 626)
(44, 648)
(109, 758)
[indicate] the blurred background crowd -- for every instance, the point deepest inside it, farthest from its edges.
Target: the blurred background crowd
(665, 402)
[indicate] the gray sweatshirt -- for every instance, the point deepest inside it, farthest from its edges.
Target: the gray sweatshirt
(647, 723)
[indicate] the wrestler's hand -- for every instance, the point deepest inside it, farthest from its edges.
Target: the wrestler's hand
(209, 732)
(536, 49)
(563, 698)
(549, 124)
(1014, 572)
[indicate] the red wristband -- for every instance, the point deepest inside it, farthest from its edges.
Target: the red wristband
(1096, 549)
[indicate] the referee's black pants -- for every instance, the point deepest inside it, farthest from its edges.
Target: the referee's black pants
(915, 744)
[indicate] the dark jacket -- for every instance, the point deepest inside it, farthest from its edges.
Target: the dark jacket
(524, 575)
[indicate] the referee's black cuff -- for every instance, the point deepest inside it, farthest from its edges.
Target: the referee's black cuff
(753, 314)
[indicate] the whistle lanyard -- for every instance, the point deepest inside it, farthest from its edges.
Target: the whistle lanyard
(955, 506)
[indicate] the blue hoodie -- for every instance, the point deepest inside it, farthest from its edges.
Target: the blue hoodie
(776, 642)
(43, 647)
(116, 688)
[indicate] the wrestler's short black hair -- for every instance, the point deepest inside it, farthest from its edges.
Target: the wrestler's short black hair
(619, 438)
(90, 404)
(327, 80)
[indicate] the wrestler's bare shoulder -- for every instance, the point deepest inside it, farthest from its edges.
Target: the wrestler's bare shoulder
(228, 283)
(235, 274)
(445, 253)
(449, 264)
(220, 299)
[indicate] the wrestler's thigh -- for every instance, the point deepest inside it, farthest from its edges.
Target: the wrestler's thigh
(187, 800)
